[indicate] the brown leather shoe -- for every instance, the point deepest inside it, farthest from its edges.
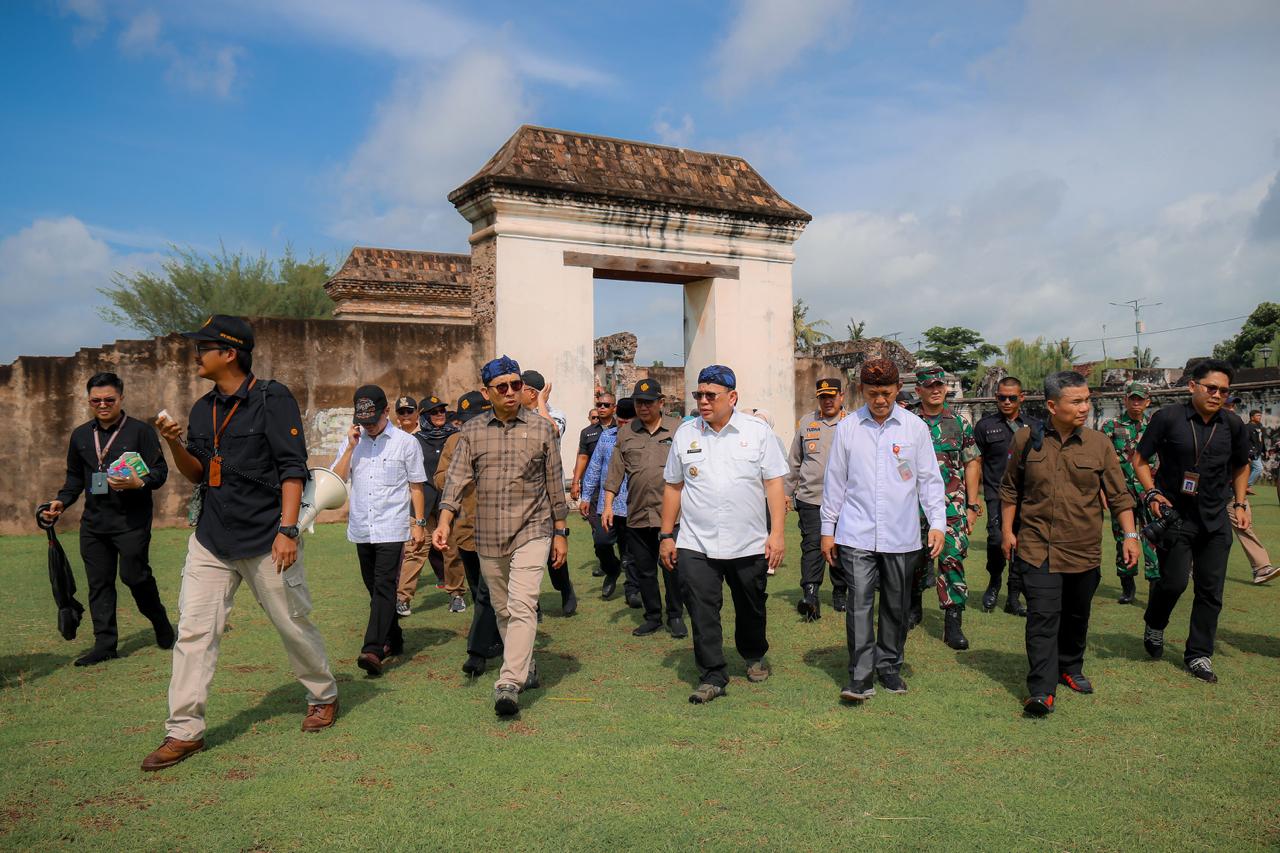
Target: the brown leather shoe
(171, 752)
(320, 716)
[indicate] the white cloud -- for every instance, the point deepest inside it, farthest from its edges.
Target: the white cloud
(142, 35)
(429, 136)
(201, 69)
(673, 134)
(90, 17)
(50, 273)
(768, 36)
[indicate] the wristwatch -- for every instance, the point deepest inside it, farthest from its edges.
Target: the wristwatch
(664, 536)
(974, 507)
(1239, 505)
(561, 531)
(290, 530)
(421, 522)
(1133, 535)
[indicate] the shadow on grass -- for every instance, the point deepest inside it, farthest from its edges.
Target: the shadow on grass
(138, 640)
(417, 639)
(1008, 669)
(1254, 644)
(681, 660)
(288, 700)
(553, 668)
(833, 660)
(19, 670)
(1118, 644)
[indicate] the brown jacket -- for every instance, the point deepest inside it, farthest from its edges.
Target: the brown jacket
(1061, 516)
(463, 533)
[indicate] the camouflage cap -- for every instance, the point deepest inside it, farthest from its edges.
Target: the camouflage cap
(879, 372)
(930, 374)
(1137, 389)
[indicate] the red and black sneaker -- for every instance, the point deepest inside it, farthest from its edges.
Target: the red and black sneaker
(1076, 681)
(1038, 706)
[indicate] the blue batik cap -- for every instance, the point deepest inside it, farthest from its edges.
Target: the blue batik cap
(500, 366)
(719, 375)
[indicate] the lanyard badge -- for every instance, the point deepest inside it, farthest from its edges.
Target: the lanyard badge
(98, 482)
(215, 464)
(904, 465)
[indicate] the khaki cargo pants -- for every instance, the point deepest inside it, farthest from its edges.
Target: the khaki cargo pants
(209, 586)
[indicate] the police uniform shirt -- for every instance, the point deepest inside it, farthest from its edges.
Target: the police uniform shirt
(808, 458)
(118, 510)
(1175, 433)
(262, 446)
(722, 505)
(994, 435)
(587, 439)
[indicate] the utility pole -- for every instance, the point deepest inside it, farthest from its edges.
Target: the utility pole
(1138, 327)
(1104, 346)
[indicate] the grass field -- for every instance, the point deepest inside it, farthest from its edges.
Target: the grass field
(609, 754)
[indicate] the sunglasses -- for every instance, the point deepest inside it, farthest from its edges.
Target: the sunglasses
(103, 401)
(709, 396)
(203, 350)
(405, 411)
(1007, 398)
(514, 386)
(1215, 390)
(604, 405)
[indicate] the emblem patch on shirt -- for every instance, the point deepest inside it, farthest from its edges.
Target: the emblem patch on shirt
(693, 446)
(813, 446)
(693, 470)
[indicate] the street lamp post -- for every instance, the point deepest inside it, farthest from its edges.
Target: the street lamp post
(1265, 352)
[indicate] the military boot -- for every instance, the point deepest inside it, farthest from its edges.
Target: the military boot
(952, 634)
(1128, 590)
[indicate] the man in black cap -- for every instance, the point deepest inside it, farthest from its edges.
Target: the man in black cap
(639, 457)
(434, 429)
(115, 529)
(407, 414)
(803, 487)
(246, 453)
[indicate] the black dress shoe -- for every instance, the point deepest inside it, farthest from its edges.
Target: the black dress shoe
(97, 656)
(952, 634)
(165, 637)
(633, 600)
(808, 606)
(1013, 606)
(569, 602)
(675, 627)
(990, 597)
(597, 572)
(646, 629)
(608, 588)
(1128, 590)
(840, 599)
(474, 666)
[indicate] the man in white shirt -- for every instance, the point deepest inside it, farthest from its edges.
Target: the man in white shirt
(723, 468)
(384, 464)
(881, 470)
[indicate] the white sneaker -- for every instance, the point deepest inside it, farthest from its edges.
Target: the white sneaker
(402, 608)
(457, 605)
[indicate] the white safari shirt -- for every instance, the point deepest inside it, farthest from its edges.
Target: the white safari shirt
(722, 506)
(382, 468)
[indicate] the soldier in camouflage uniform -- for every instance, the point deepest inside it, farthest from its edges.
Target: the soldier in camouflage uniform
(960, 464)
(1125, 432)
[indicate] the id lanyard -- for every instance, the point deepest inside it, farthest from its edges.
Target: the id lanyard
(103, 451)
(215, 464)
(1191, 479)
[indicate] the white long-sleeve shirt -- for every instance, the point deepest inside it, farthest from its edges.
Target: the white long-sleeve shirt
(878, 477)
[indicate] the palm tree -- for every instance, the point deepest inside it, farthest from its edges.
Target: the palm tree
(1144, 358)
(855, 329)
(808, 334)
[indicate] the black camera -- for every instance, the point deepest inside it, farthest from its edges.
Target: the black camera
(1158, 530)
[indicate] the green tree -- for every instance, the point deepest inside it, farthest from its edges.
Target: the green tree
(808, 333)
(1032, 362)
(191, 286)
(1261, 327)
(957, 350)
(1145, 358)
(855, 329)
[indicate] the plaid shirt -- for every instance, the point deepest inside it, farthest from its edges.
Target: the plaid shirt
(515, 466)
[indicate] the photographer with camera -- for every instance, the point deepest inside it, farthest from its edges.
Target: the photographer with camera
(1204, 466)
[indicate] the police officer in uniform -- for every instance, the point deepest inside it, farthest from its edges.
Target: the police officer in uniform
(994, 435)
(803, 486)
(1125, 432)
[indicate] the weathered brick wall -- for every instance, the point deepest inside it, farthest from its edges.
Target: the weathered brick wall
(322, 362)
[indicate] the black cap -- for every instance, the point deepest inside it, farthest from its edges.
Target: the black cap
(225, 329)
(433, 402)
(406, 402)
(626, 408)
(533, 379)
(471, 404)
(646, 389)
(370, 401)
(827, 386)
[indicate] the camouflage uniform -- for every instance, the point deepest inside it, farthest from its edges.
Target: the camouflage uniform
(955, 446)
(1125, 433)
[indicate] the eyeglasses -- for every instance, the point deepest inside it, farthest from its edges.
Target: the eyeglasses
(203, 350)
(1215, 390)
(98, 402)
(514, 386)
(709, 396)
(1007, 398)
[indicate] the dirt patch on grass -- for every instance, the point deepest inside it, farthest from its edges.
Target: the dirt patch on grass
(136, 730)
(14, 814)
(116, 800)
(370, 781)
(101, 822)
(250, 667)
(237, 774)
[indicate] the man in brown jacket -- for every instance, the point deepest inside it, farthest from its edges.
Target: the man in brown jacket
(1050, 497)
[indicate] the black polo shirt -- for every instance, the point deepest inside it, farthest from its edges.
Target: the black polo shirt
(262, 446)
(994, 435)
(1173, 435)
(116, 511)
(588, 439)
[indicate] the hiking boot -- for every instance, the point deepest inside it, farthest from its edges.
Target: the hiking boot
(840, 599)
(1128, 590)
(1077, 681)
(457, 604)
(1038, 706)
(858, 692)
(808, 606)
(757, 671)
(1265, 574)
(170, 752)
(506, 700)
(1153, 642)
(1202, 668)
(952, 634)
(706, 693)
(892, 682)
(402, 608)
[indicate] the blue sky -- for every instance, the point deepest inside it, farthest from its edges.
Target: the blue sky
(1008, 166)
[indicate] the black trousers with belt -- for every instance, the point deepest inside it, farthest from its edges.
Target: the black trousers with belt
(1196, 554)
(702, 581)
(642, 542)
(380, 569)
(812, 563)
(483, 637)
(129, 553)
(1058, 609)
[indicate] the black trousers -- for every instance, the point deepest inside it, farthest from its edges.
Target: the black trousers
(130, 552)
(484, 622)
(812, 564)
(380, 569)
(642, 542)
(604, 542)
(702, 582)
(1193, 553)
(1058, 608)
(995, 554)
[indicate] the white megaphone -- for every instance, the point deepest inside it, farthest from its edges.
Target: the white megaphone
(324, 490)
